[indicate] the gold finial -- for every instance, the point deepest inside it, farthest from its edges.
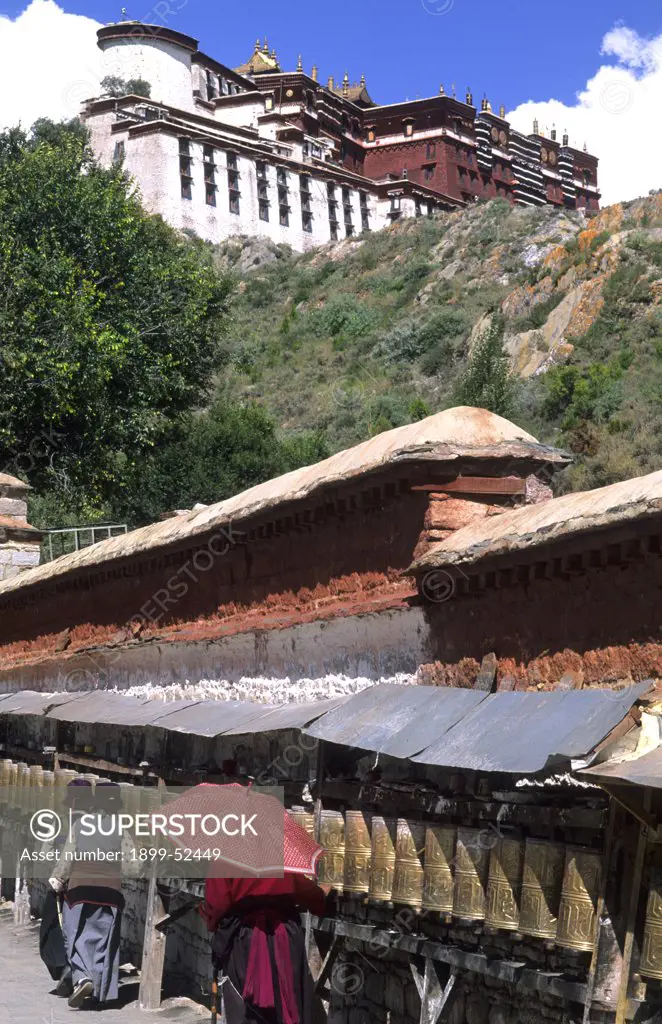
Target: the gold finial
(345, 85)
(313, 73)
(299, 64)
(488, 105)
(330, 84)
(257, 45)
(441, 90)
(265, 48)
(362, 81)
(553, 133)
(469, 97)
(273, 53)
(483, 104)
(566, 137)
(536, 127)
(502, 112)
(585, 148)
(453, 91)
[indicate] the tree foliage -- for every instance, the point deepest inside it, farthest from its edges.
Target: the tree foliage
(488, 382)
(114, 85)
(109, 321)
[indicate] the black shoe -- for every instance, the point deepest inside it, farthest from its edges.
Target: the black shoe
(65, 985)
(83, 990)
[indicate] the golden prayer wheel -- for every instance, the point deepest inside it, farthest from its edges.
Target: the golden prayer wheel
(358, 853)
(48, 791)
(472, 863)
(36, 784)
(331, 869)
(382, 869)
(438, 875)
(408, 873)
(305, 819)
(541, 888)
(650, 964)
(579, 897)
(504, 884)
(5, 767)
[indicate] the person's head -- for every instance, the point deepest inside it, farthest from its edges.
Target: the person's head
(108, 796)
(79, 795)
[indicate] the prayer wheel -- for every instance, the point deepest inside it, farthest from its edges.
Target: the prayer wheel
(438, 875)
(579, 897)
(358, 853)
(472, 861)
(36, 785)
(408, 873)
(22, 785)
(504, 884)
(650, 964)
(305, 819)
(384, 837)
(48, 792)
(332, 840)
(5, 768)
(541, 888)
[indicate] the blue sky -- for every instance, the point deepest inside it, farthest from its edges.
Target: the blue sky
(513, 50)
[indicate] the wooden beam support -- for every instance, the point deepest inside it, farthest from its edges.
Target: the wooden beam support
(505, 485)
(628, 945)
(154, 946)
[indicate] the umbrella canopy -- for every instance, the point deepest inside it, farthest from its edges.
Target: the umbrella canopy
(237, 831)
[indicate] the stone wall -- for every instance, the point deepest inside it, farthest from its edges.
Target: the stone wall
(19, 542)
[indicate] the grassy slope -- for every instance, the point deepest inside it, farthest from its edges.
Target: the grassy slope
(375, 332)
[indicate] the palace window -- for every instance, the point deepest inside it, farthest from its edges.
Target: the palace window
(212, 86)
(307, 221)
(396, 208)
(363, 204)
(261, 169)
(430, 150)
(119, 153)
(417, 207)
(408, 128)
(370, 134)
(587, 177)
(268, 103)
(264, 209)
(234, 191)
(262, 189)
(283, 197)
(306, 210)
(428, 172)
(185, 163)
(347, 211)
(210, 175)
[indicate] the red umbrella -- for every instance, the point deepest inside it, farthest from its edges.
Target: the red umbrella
(237, 831)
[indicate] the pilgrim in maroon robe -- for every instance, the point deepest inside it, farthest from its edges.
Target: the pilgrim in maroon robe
(259, 945)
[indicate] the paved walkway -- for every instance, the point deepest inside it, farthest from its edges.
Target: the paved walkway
(25, 989)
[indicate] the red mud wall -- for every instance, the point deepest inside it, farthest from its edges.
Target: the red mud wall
(185, 585)
(600, 626)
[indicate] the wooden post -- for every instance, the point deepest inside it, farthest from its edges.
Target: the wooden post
(433, 997)
(590, 982)
(621, 1006)
(154, 945)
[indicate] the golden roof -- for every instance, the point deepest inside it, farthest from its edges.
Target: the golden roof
(260, 61)
(356, 93)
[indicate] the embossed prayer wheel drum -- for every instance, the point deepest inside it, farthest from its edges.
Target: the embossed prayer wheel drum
(5, 766)
(541, 888)
(472, 861)
(331, 869)
(358, 853)
(36, 785)
(48, 791)
(651, 948)
(382, 867)
(504, 884)
(305, 819)
(579, 897)
(408, 873)
(438, 874)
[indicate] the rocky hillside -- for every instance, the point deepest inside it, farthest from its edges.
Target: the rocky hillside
(379, 330)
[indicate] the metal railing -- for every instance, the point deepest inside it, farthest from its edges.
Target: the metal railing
(73, 538)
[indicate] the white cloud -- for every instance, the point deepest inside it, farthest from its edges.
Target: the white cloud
(617, 114)
(49, 63)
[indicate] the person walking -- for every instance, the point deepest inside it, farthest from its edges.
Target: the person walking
(259, 944)
(93, 902)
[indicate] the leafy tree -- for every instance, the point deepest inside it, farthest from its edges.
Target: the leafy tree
(109, 321)
(488, 382)
(212, 456)
(114, 85)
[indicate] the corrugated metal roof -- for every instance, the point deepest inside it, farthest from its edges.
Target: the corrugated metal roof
(291, 716)
(638, 771)
(446, 436)
(394, 719)
(30, 702)
(213, 717)
(524, 733)
(533, 525)
(101, 708)
(502, 732)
